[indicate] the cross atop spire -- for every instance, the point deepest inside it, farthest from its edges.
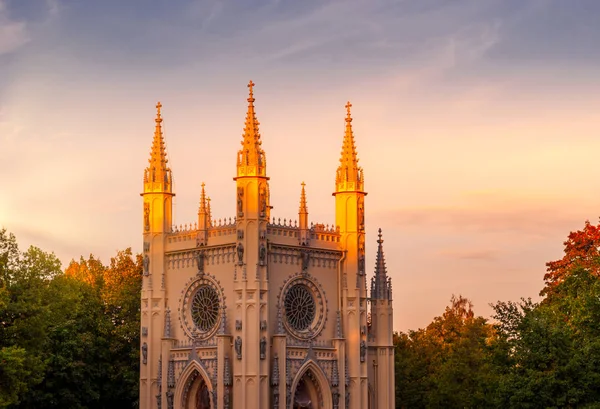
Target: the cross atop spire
(349, 176)
(157, 176)
(251, 91)
(348, 115)
(158, 117)
(251, 159)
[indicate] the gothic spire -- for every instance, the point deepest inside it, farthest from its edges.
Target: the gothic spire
(380, 288)
(157, 176)
(349, 176)
(303, 208)
(251, 159)
(208, 212)
(202, 208)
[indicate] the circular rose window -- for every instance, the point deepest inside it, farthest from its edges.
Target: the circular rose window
(205, 308)
(201, 305)
(303, 305)
(300, 307)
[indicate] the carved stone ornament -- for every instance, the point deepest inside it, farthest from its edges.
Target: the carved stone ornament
(263, 325)
(144, 331)
(240, 200)
(262, 254)
(240, 253)
(363, 350)
(238, 347)
(240, 234)
(170, 396)
(146, 247)
(305, 259)
(263, 348)
(144, 353)
(146, 265)
(263, 201)
(361, 264)
(146, 216)
(238, 325)
(200, 262)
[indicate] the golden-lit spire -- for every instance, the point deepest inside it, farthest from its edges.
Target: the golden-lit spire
(303, 208)
(202, 209)
(349, 176)
(157, 176)
(251, 159)
(208, 212)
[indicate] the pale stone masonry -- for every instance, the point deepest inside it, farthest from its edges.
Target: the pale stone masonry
(256, 312)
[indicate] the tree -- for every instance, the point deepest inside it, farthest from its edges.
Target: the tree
(582, 249)
(554, 353)
(449, 363)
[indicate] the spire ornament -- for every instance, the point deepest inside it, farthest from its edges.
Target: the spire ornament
(381, 284)
(251, 159)
(349, 176)
(157, 176)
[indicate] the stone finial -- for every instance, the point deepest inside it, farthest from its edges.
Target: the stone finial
(275, 371)
(223, 323)
(226, 372)
(335, 376)
(338, 325)
(167, 332)
(171, 374)
(349, 176)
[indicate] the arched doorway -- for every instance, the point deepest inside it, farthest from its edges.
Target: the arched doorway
(202, 396)
(195, 392)
(311, 390)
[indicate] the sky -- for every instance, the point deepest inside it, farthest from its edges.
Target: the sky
(476, 123)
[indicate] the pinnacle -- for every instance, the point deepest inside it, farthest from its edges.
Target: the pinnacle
(251, 155)
(349, 174)
(158, 172)
(303, 208)
(381, 282)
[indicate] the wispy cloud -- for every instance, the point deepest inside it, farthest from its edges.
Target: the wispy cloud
(13, 34)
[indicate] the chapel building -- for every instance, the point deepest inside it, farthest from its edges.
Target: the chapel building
(254, 312)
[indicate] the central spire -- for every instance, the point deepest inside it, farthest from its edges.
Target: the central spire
(251, 159)
(349, 176)
(157, 175)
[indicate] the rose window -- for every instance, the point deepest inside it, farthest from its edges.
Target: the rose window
(201, 307)
(303, 305)
(205, 308)
(300, 308)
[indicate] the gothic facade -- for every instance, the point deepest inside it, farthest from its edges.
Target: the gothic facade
(255, 312)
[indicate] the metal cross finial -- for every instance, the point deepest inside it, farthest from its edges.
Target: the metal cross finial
(348, 106)
(303, 184)
(158, 107)
(251, 87)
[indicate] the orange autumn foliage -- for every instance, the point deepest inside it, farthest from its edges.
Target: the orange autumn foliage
(582, 249)
(124, 271)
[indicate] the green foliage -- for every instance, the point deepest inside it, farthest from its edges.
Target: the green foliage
(448, 364)
(68, 339)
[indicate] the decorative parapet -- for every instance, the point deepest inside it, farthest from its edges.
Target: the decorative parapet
(293, 255)
(212, 255)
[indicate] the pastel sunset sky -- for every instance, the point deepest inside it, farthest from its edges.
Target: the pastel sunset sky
(477, 123)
